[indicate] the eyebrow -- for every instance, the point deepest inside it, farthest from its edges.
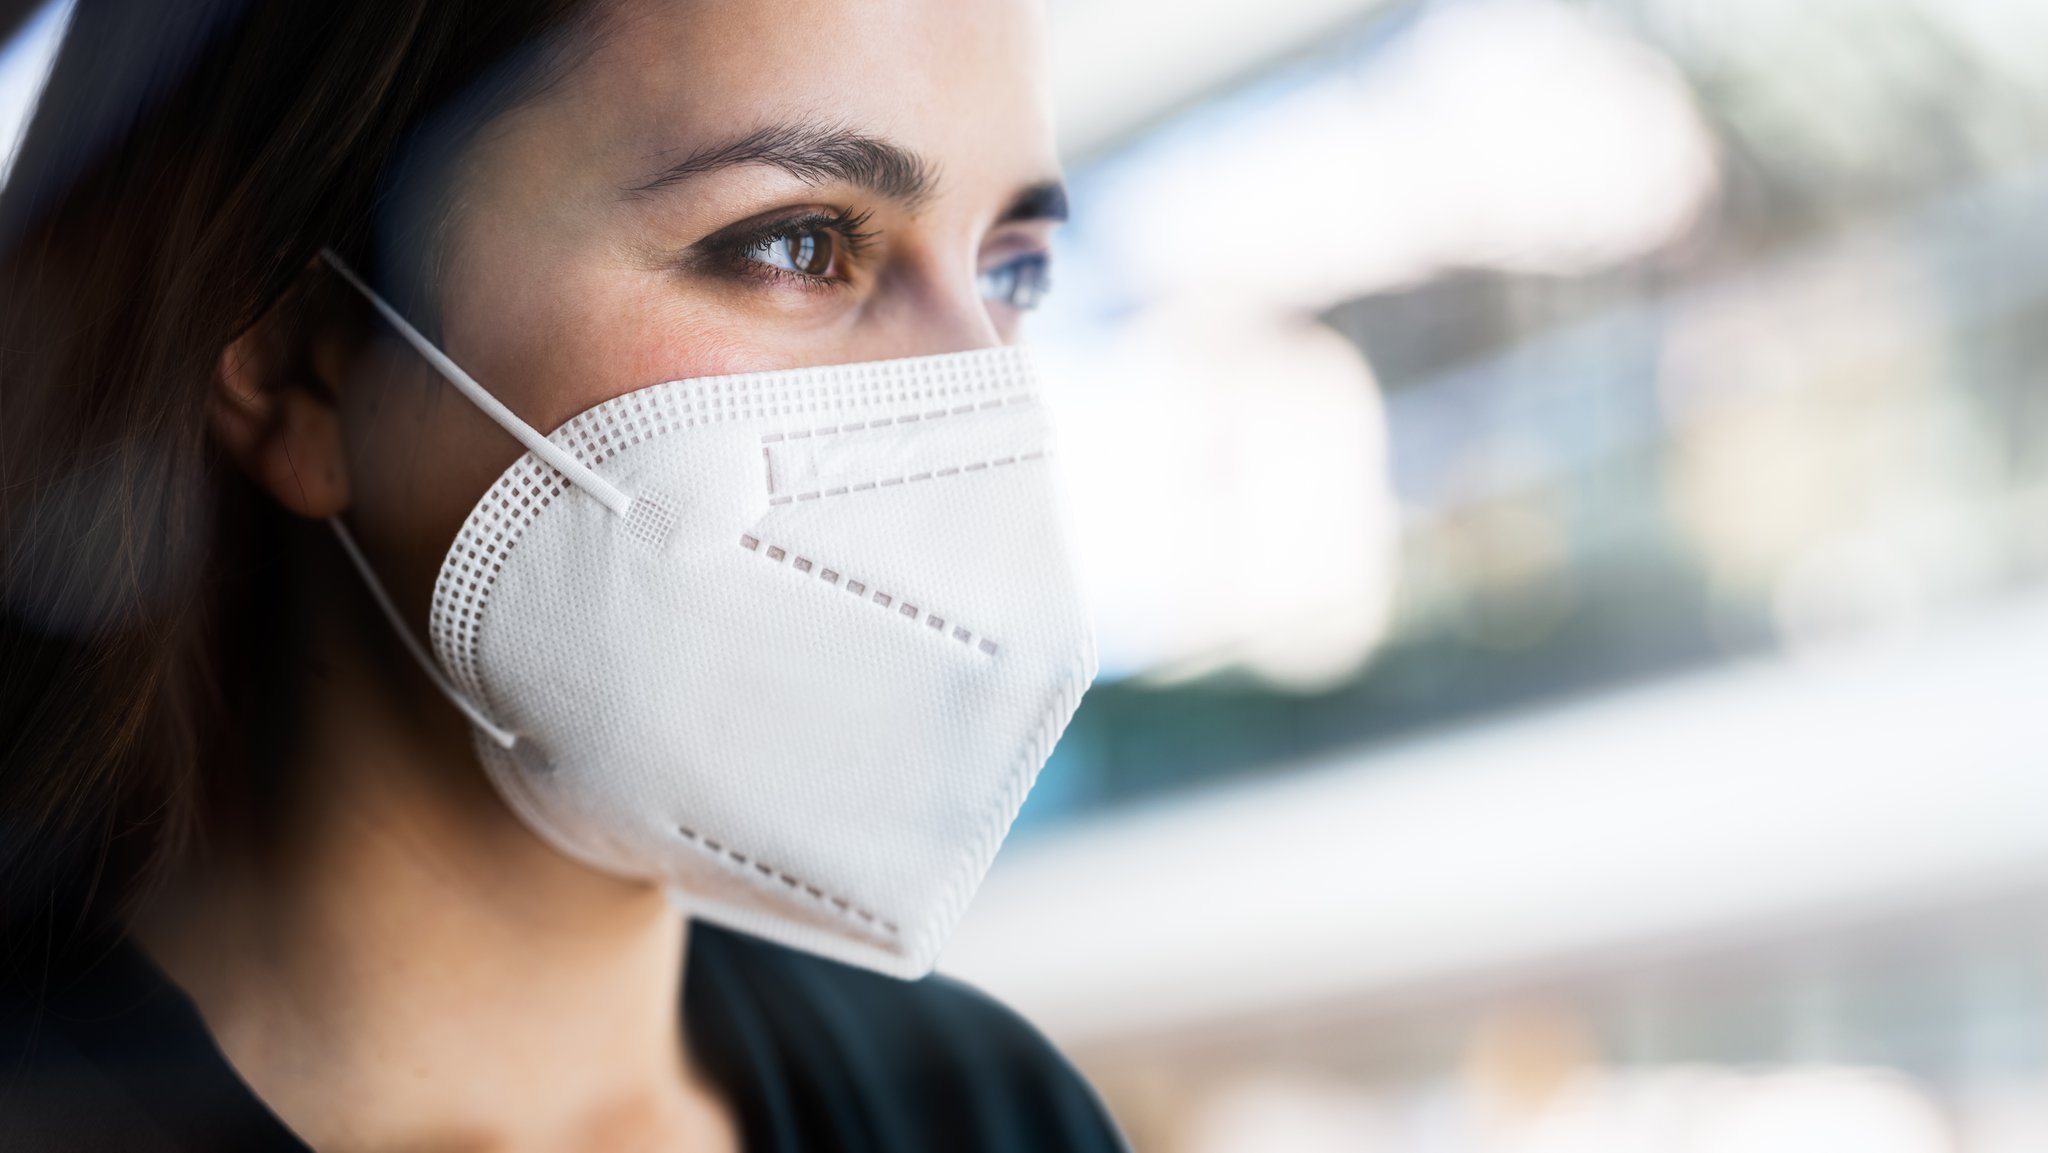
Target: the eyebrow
(814, 154)
(1046, 200)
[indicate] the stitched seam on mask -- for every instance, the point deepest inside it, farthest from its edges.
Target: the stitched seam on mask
(1002, 809)
(839, 905)
(600, 433)
(886, 421)
(908, 478)
(901, 609)
(599, 436)
(469, 573)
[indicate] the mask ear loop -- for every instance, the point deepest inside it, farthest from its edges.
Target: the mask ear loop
(578, 474)
(502, 736)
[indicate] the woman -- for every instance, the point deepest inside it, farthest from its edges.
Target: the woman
(777, 643)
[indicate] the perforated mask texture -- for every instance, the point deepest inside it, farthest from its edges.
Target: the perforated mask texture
(810, 675)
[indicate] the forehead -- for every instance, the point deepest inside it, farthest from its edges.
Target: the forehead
(959, 81)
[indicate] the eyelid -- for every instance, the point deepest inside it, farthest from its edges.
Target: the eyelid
(726, 251)
(1019, 238)
(777, 224)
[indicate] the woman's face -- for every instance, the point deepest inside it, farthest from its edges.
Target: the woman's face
(715, 186)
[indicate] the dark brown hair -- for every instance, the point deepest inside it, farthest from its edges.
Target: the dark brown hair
(185, 163)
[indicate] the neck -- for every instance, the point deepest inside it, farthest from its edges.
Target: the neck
(399, 962)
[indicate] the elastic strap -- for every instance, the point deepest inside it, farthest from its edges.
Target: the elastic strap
(498, 733)
(579, 474)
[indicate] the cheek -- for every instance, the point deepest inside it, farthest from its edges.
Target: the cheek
(426, 454)
(593, 335)
(1009, 323)
(419, 456)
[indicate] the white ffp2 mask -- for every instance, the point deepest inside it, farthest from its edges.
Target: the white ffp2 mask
(793, 643)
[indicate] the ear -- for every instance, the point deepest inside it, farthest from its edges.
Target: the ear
(275, 415)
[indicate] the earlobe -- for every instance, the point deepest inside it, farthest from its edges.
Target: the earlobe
(281, 429)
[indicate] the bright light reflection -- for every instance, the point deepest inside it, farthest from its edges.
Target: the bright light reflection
(1694, 1109)
(1231, 495)
(1517, 134)
(1237, 511)
(24, 66)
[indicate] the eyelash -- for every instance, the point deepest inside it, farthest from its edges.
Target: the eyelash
(733, 252)
(734, 249)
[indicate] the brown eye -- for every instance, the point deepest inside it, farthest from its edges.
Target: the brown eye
(806, 253)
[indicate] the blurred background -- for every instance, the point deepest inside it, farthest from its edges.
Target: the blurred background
(1562, 485)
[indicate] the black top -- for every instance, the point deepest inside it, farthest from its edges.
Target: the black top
(812, 1055)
